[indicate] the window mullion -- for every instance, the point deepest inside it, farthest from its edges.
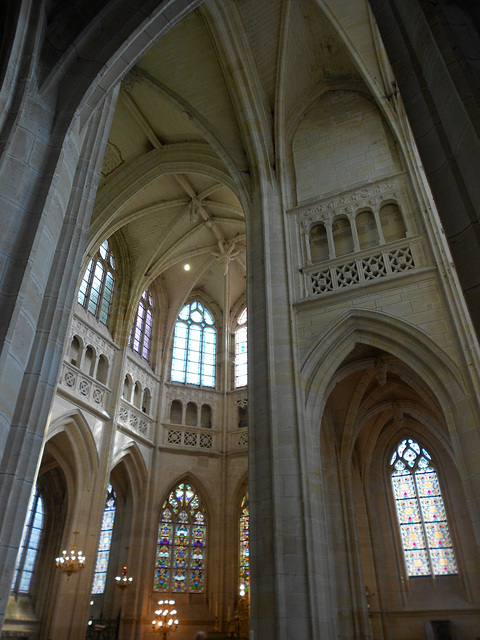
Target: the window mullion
(424, 528)
(202, 350)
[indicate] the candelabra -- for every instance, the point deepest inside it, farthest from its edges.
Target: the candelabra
(123, 581)
(71, 562)
(166, 619)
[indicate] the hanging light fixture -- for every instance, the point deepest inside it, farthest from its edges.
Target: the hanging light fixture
(166, 619)
(123, 581)
(71, 562)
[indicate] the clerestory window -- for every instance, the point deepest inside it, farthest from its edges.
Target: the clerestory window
(424, 531)
(96, 289)
(241, 357)
(105, 542)
(141, 333)
(181, 543)
(194, 346)
(28, 553)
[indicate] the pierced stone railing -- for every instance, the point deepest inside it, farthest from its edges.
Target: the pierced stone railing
(135, 420)
(240, 439)
(84, 386)
(189, 438)
(359, 271)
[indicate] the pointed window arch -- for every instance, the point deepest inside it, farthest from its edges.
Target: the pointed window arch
(426, 540)
(241, 355)
(181, 543)
(96, 290)
(103, 553)
(194, 346)
(28, 553)
(141, 333)
(244, 550)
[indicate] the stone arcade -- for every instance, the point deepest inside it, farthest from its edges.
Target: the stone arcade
(167, 165)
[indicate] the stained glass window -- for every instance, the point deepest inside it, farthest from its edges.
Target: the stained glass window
(427, 545)
(241, 350)
(141, 333)
(194, 346)
(30, 543)
(103, 553)
(181, 543)
(244, 550)
(96, 290)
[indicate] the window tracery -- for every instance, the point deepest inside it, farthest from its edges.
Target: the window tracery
(194, 346)
(141, 332)
(181, 543)
(422, 519)
(96, 290)
(103, 553)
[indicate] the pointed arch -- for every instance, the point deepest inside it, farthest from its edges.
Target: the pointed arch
(77, 430)
(180, 565)
(130, 456)
(398, 337)
(413, 346)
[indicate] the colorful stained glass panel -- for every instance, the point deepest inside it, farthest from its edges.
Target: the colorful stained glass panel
(421, 512)
(417, 562)
(181, 543)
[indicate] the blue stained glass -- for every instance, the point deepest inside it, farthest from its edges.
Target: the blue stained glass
(30, 544)
(96, 290)
(241, 351)
(105, 541)
(194, 347)
(82, 292)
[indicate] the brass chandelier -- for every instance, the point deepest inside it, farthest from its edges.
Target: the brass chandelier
(71, 562)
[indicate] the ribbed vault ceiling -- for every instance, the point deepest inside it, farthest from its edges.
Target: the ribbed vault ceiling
(180, 137)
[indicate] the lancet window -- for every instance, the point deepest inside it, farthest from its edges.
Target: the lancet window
(32, 535)
(194, 346)
(181, 543)
(241, 357)
(424, 531)
(141, 333)
(103, 553)
(96, 289)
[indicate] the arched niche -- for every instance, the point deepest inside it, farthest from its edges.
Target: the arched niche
(176, 412)
(319, 243)
(393, 224)
(88, 364)
(75, 351)
(137, 395)
(206, 416)
(102, 370)
(342, 236)
(366, 230)
(191, 414)
(147, 401)
(127, 388)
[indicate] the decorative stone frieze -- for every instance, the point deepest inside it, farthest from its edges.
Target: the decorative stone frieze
(372, 196)
(141, 375)
(90, 336)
